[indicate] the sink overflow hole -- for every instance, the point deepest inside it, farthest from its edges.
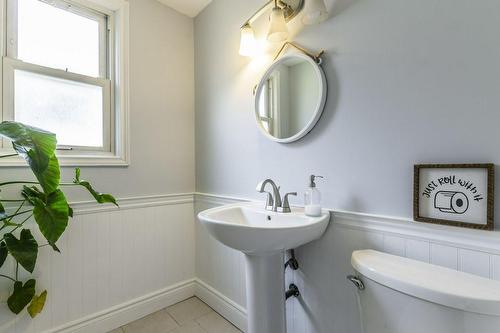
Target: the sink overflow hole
(268, 218)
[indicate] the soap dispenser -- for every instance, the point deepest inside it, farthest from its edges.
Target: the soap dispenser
(312, 198)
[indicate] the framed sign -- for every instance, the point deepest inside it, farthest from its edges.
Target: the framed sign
(454, 194)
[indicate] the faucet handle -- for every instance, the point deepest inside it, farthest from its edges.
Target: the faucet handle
(286, 204)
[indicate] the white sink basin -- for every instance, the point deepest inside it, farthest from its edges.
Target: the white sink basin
(251, 229)
(263, 237)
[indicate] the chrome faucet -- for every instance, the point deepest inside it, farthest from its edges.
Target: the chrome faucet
(273, 201)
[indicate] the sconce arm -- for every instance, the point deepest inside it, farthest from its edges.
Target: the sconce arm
(315, 57)
(290, 11)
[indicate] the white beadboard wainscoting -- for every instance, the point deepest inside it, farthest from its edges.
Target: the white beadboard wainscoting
(328, 301)
(118, 265)
(115, 266)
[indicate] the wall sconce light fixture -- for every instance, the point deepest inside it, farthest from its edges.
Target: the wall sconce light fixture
(281, 13)
(247, 41)
(278, 31)
(314, 12)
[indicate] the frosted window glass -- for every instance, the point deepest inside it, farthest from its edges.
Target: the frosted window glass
(72, 110)
(262, 103)
(57, 38)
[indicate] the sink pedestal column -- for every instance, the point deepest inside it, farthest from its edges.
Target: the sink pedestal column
(266, 293)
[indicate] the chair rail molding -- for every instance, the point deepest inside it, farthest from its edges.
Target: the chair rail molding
(90, 207)
(477, 240)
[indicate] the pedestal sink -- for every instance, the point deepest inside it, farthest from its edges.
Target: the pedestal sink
(263, 237)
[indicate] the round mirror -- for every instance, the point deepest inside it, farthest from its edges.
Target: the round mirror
(290, 98)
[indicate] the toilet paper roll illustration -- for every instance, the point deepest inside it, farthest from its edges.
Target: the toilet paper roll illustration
(451, 202)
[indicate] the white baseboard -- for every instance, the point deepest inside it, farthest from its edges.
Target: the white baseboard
(125, 313)
(230, 310)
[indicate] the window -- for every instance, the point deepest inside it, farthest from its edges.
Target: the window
(269, 105)
(64, 71)
(266, 106)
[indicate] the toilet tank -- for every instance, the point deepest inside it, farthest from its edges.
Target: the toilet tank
(407, 296)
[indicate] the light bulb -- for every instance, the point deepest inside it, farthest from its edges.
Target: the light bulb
(278, 31)
(247, 41)
(314, 12)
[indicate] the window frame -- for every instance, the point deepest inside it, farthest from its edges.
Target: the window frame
(271, 101)
(114, 80)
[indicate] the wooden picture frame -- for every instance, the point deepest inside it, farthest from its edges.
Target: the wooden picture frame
(446, 200)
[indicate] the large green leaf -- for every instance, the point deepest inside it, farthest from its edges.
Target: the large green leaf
(51, 215)
(24, 249)
(49, 178)
(26, 138)
(37, 147)
(3, 253)
(2, 211)
(99, 197)
(37, 304)
(21, 296)
(32, 194)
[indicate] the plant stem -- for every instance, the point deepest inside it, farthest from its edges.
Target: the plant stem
(12, 200)
(10, 216)
(4, 226)
(19, 182)
(17, 270)
(11, 155)
(20, 224)
(33, 182)
(7, 277)
(18, 209)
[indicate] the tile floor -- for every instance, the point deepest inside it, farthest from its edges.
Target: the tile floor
(189, 316)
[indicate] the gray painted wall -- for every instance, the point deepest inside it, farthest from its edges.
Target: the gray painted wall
(161, 109)
(409, 82)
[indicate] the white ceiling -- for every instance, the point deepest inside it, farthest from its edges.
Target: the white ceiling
(190, 8)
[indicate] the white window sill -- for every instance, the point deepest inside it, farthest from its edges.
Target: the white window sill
(101, 160)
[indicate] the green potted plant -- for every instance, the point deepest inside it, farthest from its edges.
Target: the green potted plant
(41, 200)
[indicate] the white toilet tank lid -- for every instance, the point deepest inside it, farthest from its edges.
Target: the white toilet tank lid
(432, 283)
